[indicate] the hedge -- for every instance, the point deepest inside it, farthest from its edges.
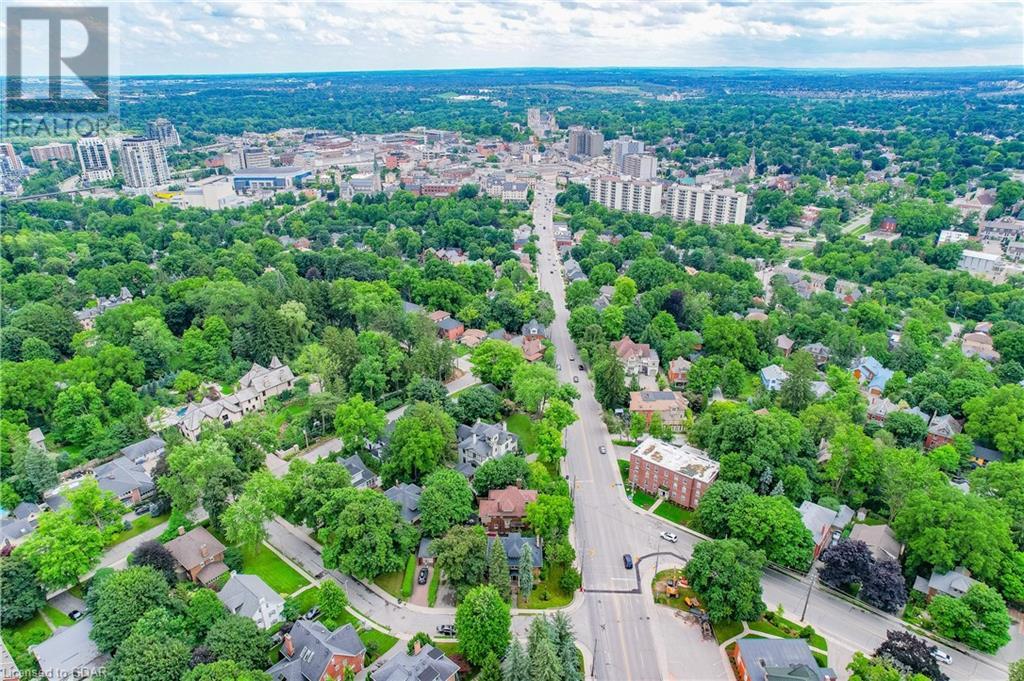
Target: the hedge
(410, 574)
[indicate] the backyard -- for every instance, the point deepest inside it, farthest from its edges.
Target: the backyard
(279, 575)
(548, 593)
(19, 638)
(523, 427)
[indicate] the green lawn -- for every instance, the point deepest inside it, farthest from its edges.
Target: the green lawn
(58, 618)
(768, 628)
(673, 513)
(726, 630)
(139, 525)
(288, 413)
(307, 599)
(279, 575)
(391, 582)
(377, 643)
(523, 427)
(19, 638)
(556, 598)
(643, 499)
(435, 580)
(624, 470)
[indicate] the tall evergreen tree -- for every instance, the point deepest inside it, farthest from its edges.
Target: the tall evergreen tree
(565, 644)
(526, 572)
(497, 569)
(491, 669)
(515, 666)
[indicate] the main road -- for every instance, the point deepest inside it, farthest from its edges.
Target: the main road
(629, 637)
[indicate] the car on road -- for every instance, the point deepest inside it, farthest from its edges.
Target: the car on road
(670, 537)
(558, 366)
(582, 368)
(627, 560)
(423, 576)
(446, 629)
(575, 379)
(572, 358)
(602, 449)
(76, 615)
(941, 655)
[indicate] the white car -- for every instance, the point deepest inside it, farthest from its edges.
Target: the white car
(941, 655)
(670, 537)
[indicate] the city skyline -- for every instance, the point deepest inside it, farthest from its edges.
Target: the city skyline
(255, 37)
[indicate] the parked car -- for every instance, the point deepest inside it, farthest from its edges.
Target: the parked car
(446, 629)
(941, 655)
(312, 613)
(76, 615)
(627, 560)
(575, 379)
(582, 368)
(602, 449)
(670, 537)
(423, 576)
(558, 366)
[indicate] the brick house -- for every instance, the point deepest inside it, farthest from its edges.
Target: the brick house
(636, 358)
(671, 406)
(679, 371)
(941, 431)
(504, 510)
(199, 553)
(311, 651)
(533, 330)
(680, 474)
(533, 350)
(777, 659)
(450, 329)
(785, 344)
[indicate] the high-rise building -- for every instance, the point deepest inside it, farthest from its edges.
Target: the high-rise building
(94, 158)
(254, 157)
(623, 147)
(541, 123)
(163, 130)
(54, 151)
(144, 163)
(584, 142)
(705, 205)
(14, 163)
(626, 194)
(640, 166)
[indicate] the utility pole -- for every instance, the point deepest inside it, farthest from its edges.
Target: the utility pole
(810, 585)
(593, 663)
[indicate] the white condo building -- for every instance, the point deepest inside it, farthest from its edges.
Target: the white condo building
(623, 147)
(94, 159)
(626, 194)
(640, 166)
(704, 205)
(144, 163)
(163, 130)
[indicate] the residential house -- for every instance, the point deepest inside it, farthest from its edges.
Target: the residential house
(255, 387)
(483, 441)
(978, 344)
(870, 373)
(821, 353)
(249, 596)
(778, 660)
(360, 474)
(822, 522)
(679, 371)
(821, 389)
(311, 652)
(879, 409)
(71, 653)
(145, 451)
(954, 583)
(450, 329)
(573, 272)
(19, 523)
(127, 480)
(941, 431)
(636, 358)
(199, 553)
(533, 350)
(534, 330)
(473, 337)
(670, 406)
(679, 473)
(37, 439)
(504, 510)
(411, 308)
(785, 344)
(772, 377)
(880, 540)
(426, 663)
(755, 316)
(438, 315)
(407, 498)
(514, 543)
(982, 456)
(87, 316)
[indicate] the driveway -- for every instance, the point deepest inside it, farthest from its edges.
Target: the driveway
(67, 602)
(420, 592)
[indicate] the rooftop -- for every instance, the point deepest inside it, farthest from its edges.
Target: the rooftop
(685, 459)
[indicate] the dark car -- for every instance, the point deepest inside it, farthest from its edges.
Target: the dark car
(423, 576)
(627, 560)
(446, 629)
(76, 615)
(582, 368)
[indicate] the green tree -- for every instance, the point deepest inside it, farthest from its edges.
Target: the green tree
(500, 473)
(717, 504)
(20, 590)
(516, 665)
(333, 601)
(423, 439)
(121, 600)
(262, 499)
(359, 423)
(238, 638)
(447, 500)
(91, 505)
(491, 668)
(998, 417)
(726, 574)
(497, 569)
(525, 572)
(773, 525)
(731, 338)
(483, 622)
(978, 618)
(78, 414)
(796, 394)
(703, 376)
(363, 533)
(309, 486)
(544, 662)
(61, 550)
(549, 515)
(224, 670)
(532, 385)
(732, 378)
(143, 656)
(462, 557)
(496, 362)
(204, 610)
(609, 381)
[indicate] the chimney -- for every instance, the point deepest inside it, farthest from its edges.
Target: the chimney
(181, 530)
(416, 647)
(203, 551)
(289, 645)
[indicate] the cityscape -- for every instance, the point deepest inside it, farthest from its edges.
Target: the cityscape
(524, 365)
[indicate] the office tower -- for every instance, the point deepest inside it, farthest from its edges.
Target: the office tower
(94, 159)
(623, 147)
(640, 166)
(163, 130)
(626, 194)
(254, 157)
(705, 205)
(144, 163)
(54, 151)
(584, 142)
(14, 163)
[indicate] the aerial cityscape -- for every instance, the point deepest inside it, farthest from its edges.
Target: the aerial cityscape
(454, 341)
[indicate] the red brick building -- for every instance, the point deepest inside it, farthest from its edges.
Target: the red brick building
(680, 474)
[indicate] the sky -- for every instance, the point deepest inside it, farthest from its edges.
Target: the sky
(202, 36)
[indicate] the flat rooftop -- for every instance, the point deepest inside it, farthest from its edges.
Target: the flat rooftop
(685, 459)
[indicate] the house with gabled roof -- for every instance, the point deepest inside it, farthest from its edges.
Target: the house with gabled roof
(872, 376)
(636, 358)
(125, 479)
(360, 474)
(199, 553)
(249, 596)
(941, 431)
(407, 497)
(954, 583)
(820, 352)
(426, 663)
(483, 441)
(311, 652)
(504, 510)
